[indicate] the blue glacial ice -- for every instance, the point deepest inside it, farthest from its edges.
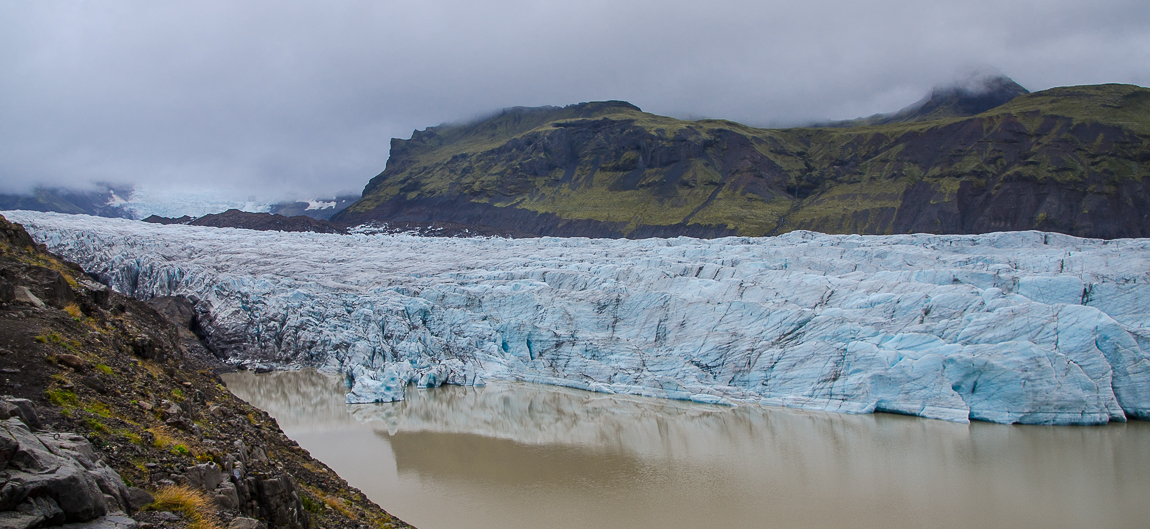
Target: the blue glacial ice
(1024, 327)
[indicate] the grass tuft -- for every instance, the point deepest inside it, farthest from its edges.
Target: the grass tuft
(96, 425)
(336, 503)
(56, 339)
(162, 437)
(192, 503)
(99, 408)
(73, 310)
(62, 398)
(310, 504)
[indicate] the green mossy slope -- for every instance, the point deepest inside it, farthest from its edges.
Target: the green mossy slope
(1071, 160)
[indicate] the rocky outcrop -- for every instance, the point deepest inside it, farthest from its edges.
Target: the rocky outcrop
(274, 496)
(234, 218)
(156, 219)
(51, 478)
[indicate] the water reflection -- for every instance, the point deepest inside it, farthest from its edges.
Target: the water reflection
(519, 455)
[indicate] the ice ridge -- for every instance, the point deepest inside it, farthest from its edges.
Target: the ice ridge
(1021, 327)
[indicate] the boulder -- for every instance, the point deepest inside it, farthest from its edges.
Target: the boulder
(246, 523)
(207, 476)
(137, 498)
(71, 361)
(22, 409)
(177, 309)
(32, 512)
(226, 496)
(50, 286)
(182, 423)
(21, 294)
(51, 478)
(96, 384)
(170, 409)
(99, 294)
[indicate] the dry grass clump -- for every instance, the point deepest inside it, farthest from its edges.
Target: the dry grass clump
(192, 503)
(73, 310)
(336, 503)
(162, 437)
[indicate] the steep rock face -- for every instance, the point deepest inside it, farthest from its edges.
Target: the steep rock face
(1069, 160)
(1025, 327)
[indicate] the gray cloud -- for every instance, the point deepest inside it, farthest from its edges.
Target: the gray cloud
(270, 97)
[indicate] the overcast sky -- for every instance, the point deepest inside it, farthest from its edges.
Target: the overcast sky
(297, 98)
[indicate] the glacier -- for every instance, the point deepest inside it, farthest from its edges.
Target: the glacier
(1020, 327)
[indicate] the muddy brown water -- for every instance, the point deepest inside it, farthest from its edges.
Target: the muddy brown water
(513, 455)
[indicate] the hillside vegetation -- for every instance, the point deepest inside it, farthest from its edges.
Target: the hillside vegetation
(119, 382)
(1071, 160)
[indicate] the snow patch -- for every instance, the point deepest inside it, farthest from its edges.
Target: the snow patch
(318, 204)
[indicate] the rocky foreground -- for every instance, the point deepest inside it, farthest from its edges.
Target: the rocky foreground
(115, 417)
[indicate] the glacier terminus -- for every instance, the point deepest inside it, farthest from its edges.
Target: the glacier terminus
(1020, 327)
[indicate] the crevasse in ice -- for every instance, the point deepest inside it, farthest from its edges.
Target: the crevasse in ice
(1024, 327)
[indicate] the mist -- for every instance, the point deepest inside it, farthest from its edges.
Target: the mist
(283, 99)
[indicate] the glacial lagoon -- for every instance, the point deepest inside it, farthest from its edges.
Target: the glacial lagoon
(514, 455)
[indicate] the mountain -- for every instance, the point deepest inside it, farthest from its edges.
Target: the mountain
(1069, 160)
(320, 208)
(963, 100)
(234, 218)
(128, 201)
(103, 202)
